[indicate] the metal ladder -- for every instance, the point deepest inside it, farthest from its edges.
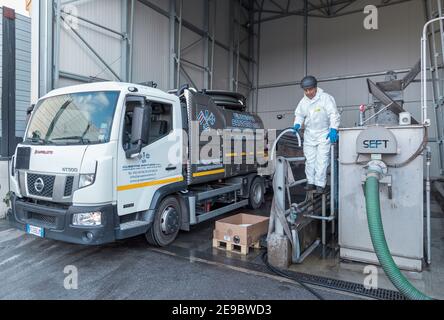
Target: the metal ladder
(434, 9)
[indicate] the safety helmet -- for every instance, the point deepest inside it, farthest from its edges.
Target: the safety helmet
(309, 82)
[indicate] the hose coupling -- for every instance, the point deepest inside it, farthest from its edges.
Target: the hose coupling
(376, 168)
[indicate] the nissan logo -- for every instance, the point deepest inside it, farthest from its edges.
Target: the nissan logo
(39, 185)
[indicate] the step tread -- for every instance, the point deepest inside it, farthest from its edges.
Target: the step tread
(133, 224)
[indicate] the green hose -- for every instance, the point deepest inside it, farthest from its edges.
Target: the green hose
(380, 244)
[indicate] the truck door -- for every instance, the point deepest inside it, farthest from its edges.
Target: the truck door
(140, 176)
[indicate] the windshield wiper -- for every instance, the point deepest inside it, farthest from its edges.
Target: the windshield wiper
(38, 140)
(78, 138)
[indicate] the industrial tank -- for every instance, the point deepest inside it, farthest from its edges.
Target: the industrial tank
(401, 197)
(220, 115)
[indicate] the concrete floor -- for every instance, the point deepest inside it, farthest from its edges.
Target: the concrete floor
(130, 269)
(430, 281)
(33, 268)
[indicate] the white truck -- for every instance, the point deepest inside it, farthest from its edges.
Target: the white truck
(96, 164)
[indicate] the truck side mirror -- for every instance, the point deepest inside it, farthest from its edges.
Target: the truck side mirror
(29, 112)
(140, 128)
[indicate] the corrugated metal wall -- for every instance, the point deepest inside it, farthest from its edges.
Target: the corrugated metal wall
(1, 68)
(23, 73)
(23, 70)
(151, 46)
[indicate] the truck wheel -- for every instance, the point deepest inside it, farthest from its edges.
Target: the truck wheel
(166, 223)
(257, 191)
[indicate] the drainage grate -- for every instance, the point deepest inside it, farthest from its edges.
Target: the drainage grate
(341, 285)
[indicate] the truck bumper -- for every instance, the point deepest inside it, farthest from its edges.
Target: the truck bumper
(57, 222)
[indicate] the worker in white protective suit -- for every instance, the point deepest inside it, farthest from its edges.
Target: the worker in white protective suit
(318, 112)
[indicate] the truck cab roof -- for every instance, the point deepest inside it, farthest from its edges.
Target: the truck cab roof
(112, 86)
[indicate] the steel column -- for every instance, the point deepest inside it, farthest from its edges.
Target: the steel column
(213, 43)
(179, 45)
(129, 61)
(172, 64)
(306, 37)
(8, 85)
(46, 46)
(56, 42)
(231, 37)
(238, 45)
(206, 53)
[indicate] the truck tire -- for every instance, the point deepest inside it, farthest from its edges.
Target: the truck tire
(166, 223)
(257, 192)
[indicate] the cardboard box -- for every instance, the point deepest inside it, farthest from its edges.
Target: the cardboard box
(242, 229)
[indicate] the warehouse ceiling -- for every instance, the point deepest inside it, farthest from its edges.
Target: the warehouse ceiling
(276, 9)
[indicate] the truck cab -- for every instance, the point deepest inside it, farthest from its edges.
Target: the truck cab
(107, 161)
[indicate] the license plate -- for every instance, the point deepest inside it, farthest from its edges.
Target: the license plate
(37, 231)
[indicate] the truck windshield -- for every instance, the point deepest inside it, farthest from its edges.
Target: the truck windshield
(76, 118)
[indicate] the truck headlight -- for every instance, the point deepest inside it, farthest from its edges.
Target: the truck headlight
(87, 219)
(86, 180)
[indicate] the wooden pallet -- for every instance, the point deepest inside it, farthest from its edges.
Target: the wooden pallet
(232, 247)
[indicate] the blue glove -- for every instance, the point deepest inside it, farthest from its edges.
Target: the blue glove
(333, 136)
(296, 128)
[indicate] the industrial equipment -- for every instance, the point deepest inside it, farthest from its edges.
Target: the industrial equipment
(392, 157)
(381, 188)
(294, 226)
(398, 152)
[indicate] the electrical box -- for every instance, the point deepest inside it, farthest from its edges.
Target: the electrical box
(405, 119)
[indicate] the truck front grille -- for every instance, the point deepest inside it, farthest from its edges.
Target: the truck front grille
(68, 186)
(40, 185)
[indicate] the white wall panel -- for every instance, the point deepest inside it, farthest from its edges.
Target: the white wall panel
(281, 56)
(222, 24)
(193, 11)
(151, 46)
(221, 69)
(76, 58)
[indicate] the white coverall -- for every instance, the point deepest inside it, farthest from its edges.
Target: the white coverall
(319, 115)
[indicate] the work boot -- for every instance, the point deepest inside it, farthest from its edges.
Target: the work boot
(310, 187)
(320, 190)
